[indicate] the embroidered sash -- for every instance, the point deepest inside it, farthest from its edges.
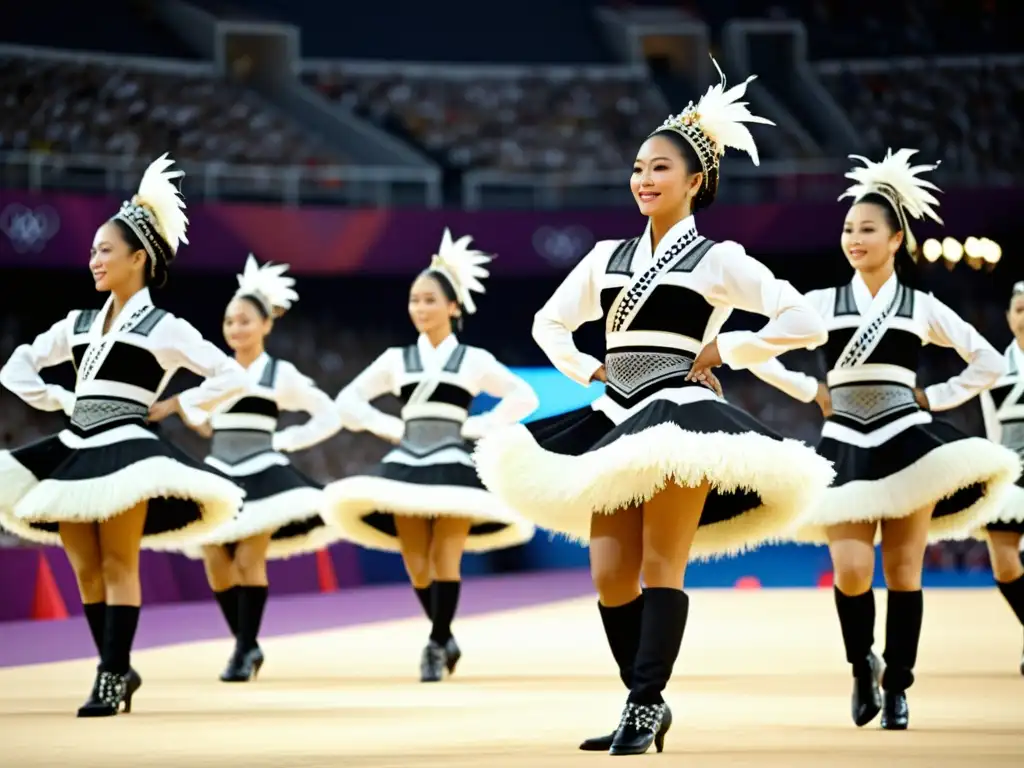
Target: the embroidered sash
(636, 292)
(869, 333)
(100, 344)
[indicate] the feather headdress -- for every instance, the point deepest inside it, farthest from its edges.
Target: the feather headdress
(156, 213)
(267, 284)
(463, 266)
(899, 182)
(715, 122)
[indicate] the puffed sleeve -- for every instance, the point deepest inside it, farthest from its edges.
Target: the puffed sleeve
(575, 302)
(984, 364)
(518, 399)
(746, 284)
(20, 374)
(296, 392)
(353, 402)
(177, 344)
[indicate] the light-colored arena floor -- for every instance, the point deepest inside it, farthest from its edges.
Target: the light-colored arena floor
(761, 681)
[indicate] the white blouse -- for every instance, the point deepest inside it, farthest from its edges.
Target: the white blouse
(139, 327)
(479, 372)
(291, 391)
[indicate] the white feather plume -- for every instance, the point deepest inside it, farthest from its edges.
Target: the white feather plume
(894, 172)
(158, 194)
(268, 282)
(463, 266)
(720, 116)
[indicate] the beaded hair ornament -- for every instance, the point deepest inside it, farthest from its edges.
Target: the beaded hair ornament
(900, 183)
(156, 213)
(462, 266)
(268, 285)
(715, 122)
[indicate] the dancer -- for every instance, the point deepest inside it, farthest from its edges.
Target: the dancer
(919, 478)
(424, 499)
(1003, 408)
(660, 468)
(280, 517)
(108, 483)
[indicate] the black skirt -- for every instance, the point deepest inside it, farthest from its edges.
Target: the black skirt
(48, 482)
(965, 478)
(363, 507)
(560, 471)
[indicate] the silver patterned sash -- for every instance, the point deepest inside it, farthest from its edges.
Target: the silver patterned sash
(870, 332)
(92, 413)
(630, 372)
(867, 403)
(234, 445)
(423, 436)
(1013, 436)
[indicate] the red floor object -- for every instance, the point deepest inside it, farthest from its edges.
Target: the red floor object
(47, 603)
(825, 581)
(748, 582)
(325, 572)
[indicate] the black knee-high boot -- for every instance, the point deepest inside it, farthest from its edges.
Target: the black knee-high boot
(646, 718)
(111, 687)
(96, 615)
(251, 603)
(622, 628)
(425, 596)
(902, 635)
(228, 600)
(857, 623)
(443, 605)
(1013, 591)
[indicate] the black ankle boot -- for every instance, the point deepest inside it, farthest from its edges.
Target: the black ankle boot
(641, 726)
(866, 701)
(243, 666)
(432, 663)
(109, 691)
(895, 712)
(622, 629)
(96, 616)
(452, 654)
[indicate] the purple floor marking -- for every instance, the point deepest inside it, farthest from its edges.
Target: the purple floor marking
(37, 642)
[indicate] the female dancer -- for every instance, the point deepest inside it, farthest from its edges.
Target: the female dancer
(109, 483)
(895, 466)
(280, 516)
(660, 467)
(424, 498)
(1003, 408)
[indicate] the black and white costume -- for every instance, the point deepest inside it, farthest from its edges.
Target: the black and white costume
(430, 472)
(651, 426)
(1003, 411)
(109, 459)
(891, 457)
(247, 447)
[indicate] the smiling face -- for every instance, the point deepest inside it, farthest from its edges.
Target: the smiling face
(430, 309)
(245, 327)
(869, 240)
(662, 184)
(114, 263)
(1015, 317)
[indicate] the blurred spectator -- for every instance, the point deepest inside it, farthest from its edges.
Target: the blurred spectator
(544, 120)
(98, 109)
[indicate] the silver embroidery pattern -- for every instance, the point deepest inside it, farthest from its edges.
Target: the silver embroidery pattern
(423, 436)
(111, 689)
(865, 403)
(236, 445)
(90, 413)
(629, 372)
(643, 717)
(865, 340)
(643, 283)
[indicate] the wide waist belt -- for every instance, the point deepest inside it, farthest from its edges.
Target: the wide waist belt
(871, 401)
(423, 436)
(93, 413)
(234, 445)
(1013, 436)
(631, 371)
